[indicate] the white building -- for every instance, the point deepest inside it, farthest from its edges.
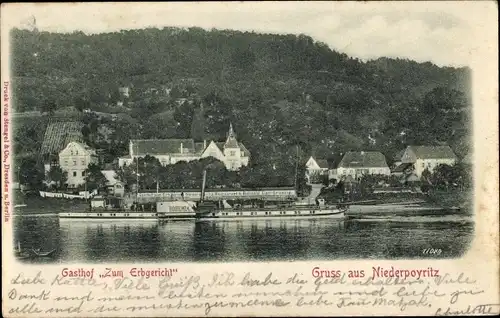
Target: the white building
(428, 157)
(315, 168)
(232, 153)
(124, 91)
(115, 186)
(75, 159)
(356, 164)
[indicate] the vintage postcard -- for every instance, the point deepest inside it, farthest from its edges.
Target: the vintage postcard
(250, 159)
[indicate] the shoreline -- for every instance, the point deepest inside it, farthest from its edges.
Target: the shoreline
(37, 205)
(435, 203)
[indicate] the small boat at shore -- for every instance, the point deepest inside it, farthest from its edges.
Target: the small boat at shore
(31, 253)
(37, 253)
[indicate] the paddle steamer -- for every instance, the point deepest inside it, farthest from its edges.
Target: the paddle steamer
(221, 210)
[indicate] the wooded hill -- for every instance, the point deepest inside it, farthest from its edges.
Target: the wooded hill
(279, 91)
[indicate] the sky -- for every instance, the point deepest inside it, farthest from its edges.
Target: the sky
(444, 33)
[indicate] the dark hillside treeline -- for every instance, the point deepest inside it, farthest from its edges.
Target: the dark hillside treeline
(277, 90)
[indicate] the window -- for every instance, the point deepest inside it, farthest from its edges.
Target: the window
(77, 152)
(74, 162)
(232, 153)
(83, 173)
(65, 162)
(74, 173)
(83, 162)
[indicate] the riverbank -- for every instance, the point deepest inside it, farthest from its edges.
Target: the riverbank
(438, 199)
(437, 203)
(388, 203)
(361, 211)
(34, 204)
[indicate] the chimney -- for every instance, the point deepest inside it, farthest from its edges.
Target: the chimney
(204, 144)
(182, 148)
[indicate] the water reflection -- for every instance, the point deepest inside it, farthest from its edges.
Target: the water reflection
(246, 240)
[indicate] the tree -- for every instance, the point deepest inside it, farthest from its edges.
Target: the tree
(184, 116)
(441, 108)
(457, 176)
(127, 175)
(259, 82)
(216, 172)
(48, 106)
(58, 176)
(31, 174)
(96, 94)
(464, 175)
(426, 176)
(114, 95)
(149, 172)
(145, 108)
(94, 178)
(198, 125)
(243, 58)
(81, 103)
(217, 114)
(442, 176)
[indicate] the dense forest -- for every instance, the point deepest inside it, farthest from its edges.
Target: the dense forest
(279, 91)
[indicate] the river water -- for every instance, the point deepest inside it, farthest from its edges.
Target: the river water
(77, 241)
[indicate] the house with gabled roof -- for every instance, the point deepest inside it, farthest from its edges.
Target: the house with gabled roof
(397, 158)
(231, 152)
(315, 167)
(355, 164)
(114, 186)
(75, 158)
(428, 157)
